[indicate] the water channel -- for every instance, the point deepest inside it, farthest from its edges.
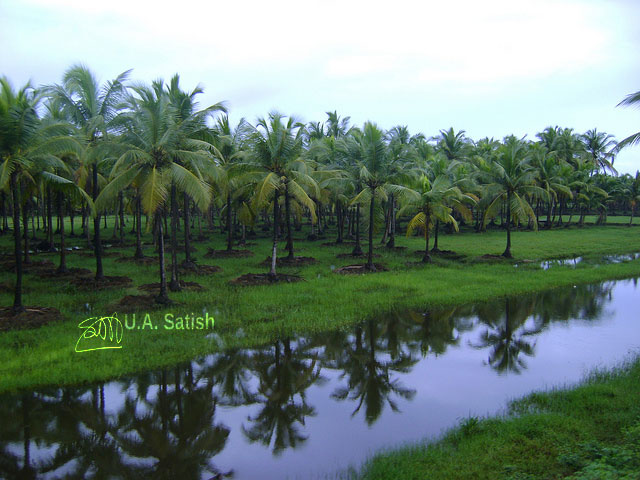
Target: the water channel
(311, 406)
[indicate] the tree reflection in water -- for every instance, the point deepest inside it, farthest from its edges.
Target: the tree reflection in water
(367, 364)
(284, 373)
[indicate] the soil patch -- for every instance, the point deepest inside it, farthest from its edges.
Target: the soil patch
(84, 283)
(91, 253)
(449, 254)
(70, 273)
(138, 261)
(34, 266)
(155, 287)
(252, 279)
(491, 257)
(211, 253)
(8, 287)
(334, 244)
(135, 303)
(290, 262)
(349, 255)
(199, 270)
(32, 317)
(360, 269)
(394, 249)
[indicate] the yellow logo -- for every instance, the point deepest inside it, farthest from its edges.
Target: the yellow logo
(99, 333)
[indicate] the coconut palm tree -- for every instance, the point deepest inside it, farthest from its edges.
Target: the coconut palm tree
(509, 177)
(549, 176)
(26, 146)
(631, 100)
(231, 151)
(277, 149)
(569, 147)
(401, 170)
(455, 146)
(435, 201)
(601, 147)
(155, 147)
(337, 126)
(634, 195)
(371, 155)
(184, 106)
(92, 108)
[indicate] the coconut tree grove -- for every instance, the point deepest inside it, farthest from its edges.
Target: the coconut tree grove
(152, 157)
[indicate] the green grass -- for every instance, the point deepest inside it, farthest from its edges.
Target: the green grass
(250, 316)
(591, 431)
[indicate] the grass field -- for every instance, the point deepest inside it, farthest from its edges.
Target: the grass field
(249, 316)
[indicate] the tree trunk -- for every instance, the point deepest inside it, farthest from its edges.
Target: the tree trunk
(435, 237)
(549, 213)
(272, 273)
(561, 205)
(138, 222)
(96, 228)
(426, 258)
(385, 231)
(71, 217)
(370, 265)
(63, 254)
(392, 227)
(340, 218)
(187, 234)
(25, 235)
(121, 214)
(33, 225)
(357, 250)
(174, 284)
(229, 224)
(49, 220)
(287, 208)
(85, 225)
(163, 296)
(15, 191)
(507, 252)
(5, 223)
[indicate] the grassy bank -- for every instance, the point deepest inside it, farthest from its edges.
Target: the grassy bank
(591, 431)
(249, 316)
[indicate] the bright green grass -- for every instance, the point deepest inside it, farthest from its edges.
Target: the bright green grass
(249, 316)
(591, 431)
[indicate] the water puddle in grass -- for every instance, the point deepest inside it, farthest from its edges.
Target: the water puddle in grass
(310, 406)
(574, 262)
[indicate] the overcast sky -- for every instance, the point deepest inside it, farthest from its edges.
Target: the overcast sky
(490, 68)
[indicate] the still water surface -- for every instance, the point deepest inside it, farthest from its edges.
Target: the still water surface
(308, 407)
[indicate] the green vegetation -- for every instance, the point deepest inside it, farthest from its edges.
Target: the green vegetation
(324, 301)
(591, 431)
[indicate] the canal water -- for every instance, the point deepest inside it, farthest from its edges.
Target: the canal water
(311, 407)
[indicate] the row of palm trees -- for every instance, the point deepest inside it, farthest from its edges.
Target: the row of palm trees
(150, 148)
